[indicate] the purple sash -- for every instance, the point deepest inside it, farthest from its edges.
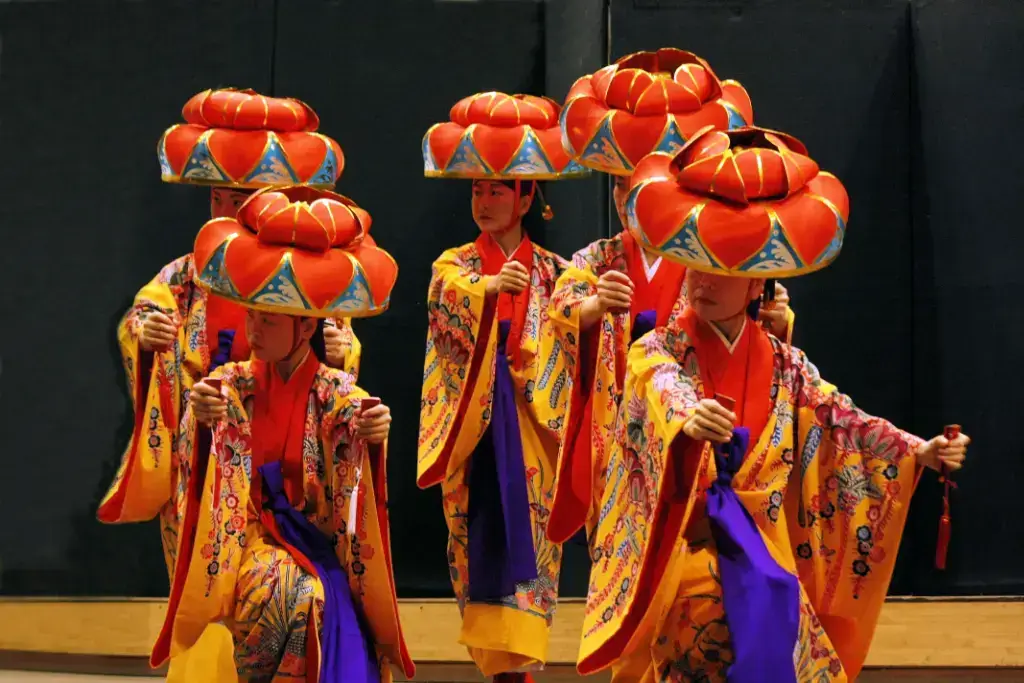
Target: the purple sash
(500, 535)
(644, 322)
(225, 338)
(761, 599)
(346, 655)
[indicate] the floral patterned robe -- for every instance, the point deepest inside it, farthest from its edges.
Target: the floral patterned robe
(827, 486)
(458, 381)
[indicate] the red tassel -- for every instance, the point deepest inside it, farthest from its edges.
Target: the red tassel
(945, 524)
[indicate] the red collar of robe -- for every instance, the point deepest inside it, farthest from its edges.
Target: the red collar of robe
(745, 375)
(278, 424)
(662, 292)
(511, 307)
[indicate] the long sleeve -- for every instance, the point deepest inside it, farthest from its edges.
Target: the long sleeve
(846, 507)
(458, 368)
(360, 513)
(145, 480)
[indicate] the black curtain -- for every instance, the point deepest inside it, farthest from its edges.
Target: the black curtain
(913, 107)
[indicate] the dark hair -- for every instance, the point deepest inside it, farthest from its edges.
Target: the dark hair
(317, 343)
(754, 307)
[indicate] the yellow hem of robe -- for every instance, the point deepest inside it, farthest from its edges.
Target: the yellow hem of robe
(501, 639)
(210, 660)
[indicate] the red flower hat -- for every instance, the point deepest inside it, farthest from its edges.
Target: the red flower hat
(647, 102)
(499, 137)
(298, 251)
(746, 202)
(238, 138)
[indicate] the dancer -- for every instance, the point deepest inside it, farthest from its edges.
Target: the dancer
(485, 436)
(615, 290)
(174, 334)
(752, 513)
(284, 533)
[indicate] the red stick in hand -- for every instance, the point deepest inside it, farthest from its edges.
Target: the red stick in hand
(951, 432)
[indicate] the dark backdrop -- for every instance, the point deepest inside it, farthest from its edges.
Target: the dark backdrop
(883, 94)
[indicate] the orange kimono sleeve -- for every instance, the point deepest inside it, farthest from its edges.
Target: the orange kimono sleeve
(595, 360)
(461, 323)
(846, 507)
(144, 482)
(361, 516)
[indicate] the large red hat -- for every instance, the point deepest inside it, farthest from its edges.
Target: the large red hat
(647, 102)
(496, 136)
(746, 202)
(238, 138)
(298, 251)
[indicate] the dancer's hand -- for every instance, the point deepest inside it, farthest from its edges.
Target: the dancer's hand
(374, 424)
(158, 332)
(209, 404)
(710, 422)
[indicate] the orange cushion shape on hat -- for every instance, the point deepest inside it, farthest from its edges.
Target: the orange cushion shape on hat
(497, 145)
(809, 223)
(709, 144)
(636, 135)
(250, 263)
(638, 87)
(799, 169)
(733, 235)
(380, 269)
(583, 87)
(480, 106)
(191, 111)
(662, 208)
(443, 140)
(620, 86)
(211, 236)
(583, 117)
(551, 141)
(322, 277)
(767, 179)
(736, 95)
(343, 225)
(297, 226)
(601, 80)
(711, 114)
(237, 151)
(305, 152)
(667, 96)
(286, 115)
(716, 175)
(260, 207)
(695, 77)
(178, 144)
(828, 186)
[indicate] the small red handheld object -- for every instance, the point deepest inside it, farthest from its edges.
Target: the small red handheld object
(951, 432)
(214, 383)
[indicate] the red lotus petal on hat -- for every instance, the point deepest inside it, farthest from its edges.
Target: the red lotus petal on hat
(698, 79)
(736, 95)
(443, 139)
(250, 263)
(601, 80)
(733, 234)
(248, 110)
(211, 236)
(259, 207)
(636, 136)
(237, 151)
(582, 118)
(322, 277)
(380, 269)
(305, 153)
(660, 206)
(497, 146)
(179, 140)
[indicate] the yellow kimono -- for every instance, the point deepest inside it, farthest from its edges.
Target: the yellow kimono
(232, 570)
(147, 483)
(826, 485)
(597, 359)
(511, 633)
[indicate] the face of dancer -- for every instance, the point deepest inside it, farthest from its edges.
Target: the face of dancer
(495, 209)
(272, 336)
(224, 202)
(719, 298)
(620, 190)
